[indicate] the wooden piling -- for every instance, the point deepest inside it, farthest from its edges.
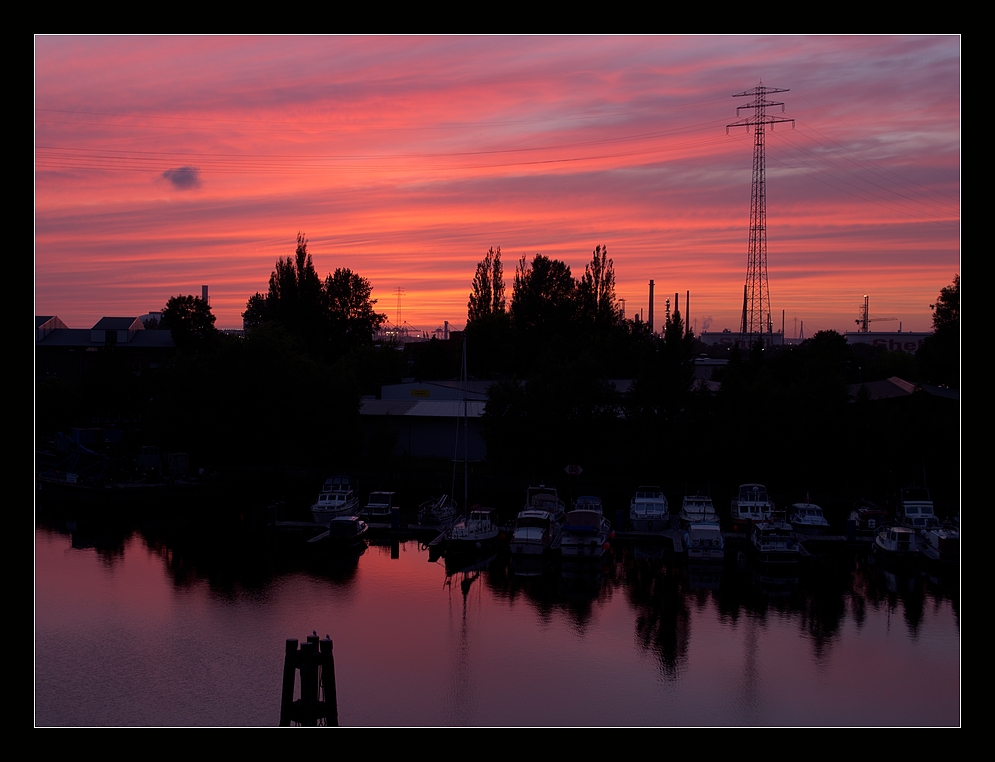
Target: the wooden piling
(309, 683)
(327, 660)
(289, 677)
(318, 703)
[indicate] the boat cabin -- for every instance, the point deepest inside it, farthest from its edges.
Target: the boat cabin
(588, 503)
(698, 508)
(705, 535)
(583, 520)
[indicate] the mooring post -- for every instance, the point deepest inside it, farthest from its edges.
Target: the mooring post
(289, 677)
(309, 683)
(327, 659)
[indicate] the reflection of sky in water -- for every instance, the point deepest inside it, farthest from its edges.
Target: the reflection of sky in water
(138, 636)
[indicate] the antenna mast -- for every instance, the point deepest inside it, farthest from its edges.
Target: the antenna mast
(756, 302)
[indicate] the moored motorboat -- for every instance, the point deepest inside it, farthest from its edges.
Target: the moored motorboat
(543, 498)
(535, 532)
(378, 507)
(915, 509)
(752, 504)
(345, 532)
(649, 511)
(336, 499)
(773, 543)
(868, 518)
(586, 531)
(897, 543)
(808, 519)
(704, 541)
(941, 544)
(697, 509)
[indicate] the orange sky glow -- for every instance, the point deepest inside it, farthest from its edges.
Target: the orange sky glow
(166, 163)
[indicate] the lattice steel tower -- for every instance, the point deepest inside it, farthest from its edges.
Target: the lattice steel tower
(756, 296)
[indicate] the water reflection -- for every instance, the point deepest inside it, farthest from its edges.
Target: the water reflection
(450, 642)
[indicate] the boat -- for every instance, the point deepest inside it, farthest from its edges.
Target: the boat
(336, 499)
(344, 533)
(696, 509)
(807, 518)
(897, 543)
(941, 544)
(378, 507)
(437, 511)
(543, 498)
(867, 517)
(752, 504)
(648, 510)
(473, 533)
(704, 541)
(535, 532)
(773, 543)
(915, 509)
(585, 531)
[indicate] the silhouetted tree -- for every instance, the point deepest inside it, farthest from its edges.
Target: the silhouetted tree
(939, 356)
(497, 283)
(190, 321)
(294, 297)
(946, 311)
(596, 291)
(331, 316)
(544, 293)
(487, 295)
(349, 311)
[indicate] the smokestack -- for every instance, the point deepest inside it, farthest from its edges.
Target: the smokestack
(687, 313)
(445, 330)
(203, 294)
(742, 331)
(651, 307)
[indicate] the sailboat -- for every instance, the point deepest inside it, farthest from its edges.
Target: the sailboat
(476, 531)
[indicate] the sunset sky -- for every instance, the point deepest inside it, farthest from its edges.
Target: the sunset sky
(166, 163)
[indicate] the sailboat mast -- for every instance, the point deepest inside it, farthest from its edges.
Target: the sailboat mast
(466, 430)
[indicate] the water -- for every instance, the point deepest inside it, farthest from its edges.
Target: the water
(132, 630)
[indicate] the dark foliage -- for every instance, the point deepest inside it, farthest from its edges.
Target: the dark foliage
(939, 356)
(190, 321)
(332, 317)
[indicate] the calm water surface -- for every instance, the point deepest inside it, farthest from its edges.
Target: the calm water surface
(132, 631)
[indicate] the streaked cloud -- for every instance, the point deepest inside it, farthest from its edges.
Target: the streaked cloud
(406, 158)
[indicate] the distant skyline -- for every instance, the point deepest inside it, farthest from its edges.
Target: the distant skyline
(166, 163)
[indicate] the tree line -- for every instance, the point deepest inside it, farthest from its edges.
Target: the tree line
(573, 380)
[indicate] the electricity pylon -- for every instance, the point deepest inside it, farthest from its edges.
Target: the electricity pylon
(756, 301)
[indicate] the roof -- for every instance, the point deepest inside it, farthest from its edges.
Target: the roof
(80, 337)
(423, 408)
(117, 324)
(897, 387)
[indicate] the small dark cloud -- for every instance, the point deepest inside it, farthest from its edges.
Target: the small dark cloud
(183, 178)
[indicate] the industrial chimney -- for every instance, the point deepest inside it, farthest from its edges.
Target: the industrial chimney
(651, 307)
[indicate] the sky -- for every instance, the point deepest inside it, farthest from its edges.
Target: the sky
(166, 163)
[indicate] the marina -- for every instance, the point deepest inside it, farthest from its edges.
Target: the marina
(500, 640)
